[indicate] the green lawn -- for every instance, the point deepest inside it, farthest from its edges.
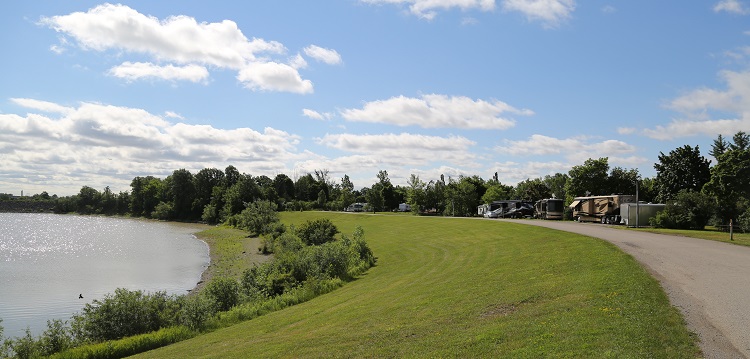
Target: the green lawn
(710, 233)
(446, 287)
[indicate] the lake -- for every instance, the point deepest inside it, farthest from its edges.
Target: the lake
(48, 260)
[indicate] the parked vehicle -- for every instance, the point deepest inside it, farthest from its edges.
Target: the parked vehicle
(604, 209)
(550, 208)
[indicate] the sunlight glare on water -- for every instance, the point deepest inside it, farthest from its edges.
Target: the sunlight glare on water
(47, 260)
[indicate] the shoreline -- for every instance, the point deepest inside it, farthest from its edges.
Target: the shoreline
(230, 253)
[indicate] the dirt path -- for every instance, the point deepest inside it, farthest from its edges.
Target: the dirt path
(708, 281)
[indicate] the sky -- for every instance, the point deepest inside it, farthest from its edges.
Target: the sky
(96, 94)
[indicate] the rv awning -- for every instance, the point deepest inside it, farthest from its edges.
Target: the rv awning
(574, 204)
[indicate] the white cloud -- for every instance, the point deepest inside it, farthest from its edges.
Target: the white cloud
(573, 148)
(315, 115)
(437, 111)
(328, 56)
(427, 9)
(405, 149)
(731, 6)
(700, 106)
(626, 130)
(180, 40)
(44, 106)
(298, 62)
(549, 12)
(609, 9)
(172, 114)
(274, 76)
(132, 71)
(103, 145)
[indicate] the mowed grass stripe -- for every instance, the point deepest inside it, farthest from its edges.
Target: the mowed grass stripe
(447, 287)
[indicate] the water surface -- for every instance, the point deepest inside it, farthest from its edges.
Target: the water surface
(48, 260)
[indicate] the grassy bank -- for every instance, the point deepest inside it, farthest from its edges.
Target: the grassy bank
(231, 252)
(447, 287)
(710, 233)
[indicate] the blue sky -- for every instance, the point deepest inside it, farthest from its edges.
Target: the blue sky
(98, 93)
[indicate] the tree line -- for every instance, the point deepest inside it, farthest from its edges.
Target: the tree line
(683, 176)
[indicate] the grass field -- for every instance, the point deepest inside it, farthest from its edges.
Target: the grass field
(446, 287)
(710, 233)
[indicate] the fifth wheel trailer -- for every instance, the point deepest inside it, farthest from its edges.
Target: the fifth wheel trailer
(604, 209)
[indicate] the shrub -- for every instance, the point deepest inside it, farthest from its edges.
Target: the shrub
(25, 346)
(225, 292)
(259, 217)
(196, 311)
(56, 338)
(689, 210)
(124, 314)
(317, 232)
(743, 221)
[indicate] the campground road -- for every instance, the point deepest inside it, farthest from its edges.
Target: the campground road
(708, 281)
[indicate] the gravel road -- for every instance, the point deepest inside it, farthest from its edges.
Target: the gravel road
(708, 281)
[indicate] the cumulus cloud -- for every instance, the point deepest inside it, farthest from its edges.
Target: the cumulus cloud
(731, 6)
(437, 111)
(328, 56)
(404, 149)
(549, 12)
(179, 40)
(315, 115)
(132, 71)
(427, 9)
(104, 145)
(700, 107)
(573, 148)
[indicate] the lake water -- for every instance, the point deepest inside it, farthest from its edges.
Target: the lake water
(47, 260)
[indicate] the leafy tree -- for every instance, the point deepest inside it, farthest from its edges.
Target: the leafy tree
(556, 184)
(56, 338)
(180, 188)
(531, 190)
(284, 187)
(88, 200)
(461, 197)
(588, 179)
(741, 142)
(730, 179)
(317, 232)
(496, 192)
(260, 217)
(347, 195)
(435, 196)
(244, 191)
(306, 188)
(623, 181)
(682, 169)
(374, 197)
(204, 182)
(231, 176)
(416, 196)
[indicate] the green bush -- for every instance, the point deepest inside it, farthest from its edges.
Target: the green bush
(317, 232)
(259, 217)
(225, 292)
(196, 311)
(743, 221)
(125, 313)
(163, 211)
(56, 338)
(688, 210)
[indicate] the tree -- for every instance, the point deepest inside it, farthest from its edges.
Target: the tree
(623, 181)
(719, 146)
(204, 182)
(284, 187)
(588, 179)
(88, 200)
(687, 210)
(461, 198)
(242, 192)
(415, 194)
(347, 195)
(683, 169)
(181, 194)
(556, 184)
(531, 190)
(496, 191)
(730, 179)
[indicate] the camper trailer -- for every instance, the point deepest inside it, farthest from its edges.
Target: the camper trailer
(550, 208)
(604, 209)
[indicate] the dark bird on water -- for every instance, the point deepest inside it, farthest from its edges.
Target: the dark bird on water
(80, 296)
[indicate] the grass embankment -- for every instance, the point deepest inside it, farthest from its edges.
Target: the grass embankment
(231, 252)
(710, 233)
(448, 287)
